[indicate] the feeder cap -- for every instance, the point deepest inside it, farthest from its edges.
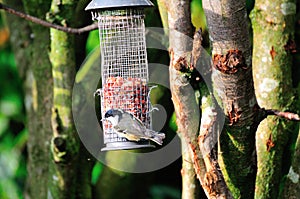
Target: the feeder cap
(104, 4)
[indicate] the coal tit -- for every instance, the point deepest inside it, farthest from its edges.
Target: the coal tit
(127, 125)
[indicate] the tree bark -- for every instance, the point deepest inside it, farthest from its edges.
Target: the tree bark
(64, 142)
(234, 92)
(30, 43)
(70, 164)
(183, 61)
(183, 96)
(273, 34)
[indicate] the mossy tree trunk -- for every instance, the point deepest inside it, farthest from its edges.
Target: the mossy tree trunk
(49, 76)
(68, 165)
(31, 43)
(234, 91)
(273, 37)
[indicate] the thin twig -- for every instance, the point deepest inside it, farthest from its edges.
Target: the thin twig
(48, 24)
(286, 115)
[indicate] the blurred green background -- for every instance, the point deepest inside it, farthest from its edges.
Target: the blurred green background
(13, 134)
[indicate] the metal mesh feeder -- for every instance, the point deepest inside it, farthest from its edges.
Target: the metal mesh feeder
(124, 65)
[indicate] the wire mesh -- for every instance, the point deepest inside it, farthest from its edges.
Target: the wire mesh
(124, 66)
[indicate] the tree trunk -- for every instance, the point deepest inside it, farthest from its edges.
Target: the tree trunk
(184, 57)
(273, 34)
(31, 43)
(183, 97)
(64, 142)
(31, 49)
(234, 92)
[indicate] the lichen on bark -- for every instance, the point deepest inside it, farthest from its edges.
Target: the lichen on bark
(65, 145)
(273, 32)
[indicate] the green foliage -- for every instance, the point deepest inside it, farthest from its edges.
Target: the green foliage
(13, 135)
(96, 172)
(164, 192)
(172, 122)
(198, 17)
(92, 41)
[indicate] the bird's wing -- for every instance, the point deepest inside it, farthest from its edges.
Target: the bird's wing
(136, 128)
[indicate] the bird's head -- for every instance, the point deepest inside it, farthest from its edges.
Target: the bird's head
(113, 116)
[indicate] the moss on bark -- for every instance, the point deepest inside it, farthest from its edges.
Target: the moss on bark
(31, 43)
(234, 92)
(273, 29)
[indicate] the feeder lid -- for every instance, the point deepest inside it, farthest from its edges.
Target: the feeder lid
(103, 4)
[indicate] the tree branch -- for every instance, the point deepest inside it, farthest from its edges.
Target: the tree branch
(203, 155)
(187, 118)
(209, 131)
(48, 24)
(183, 96)
(285, 115)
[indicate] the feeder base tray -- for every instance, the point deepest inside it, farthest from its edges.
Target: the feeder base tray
(126, 146)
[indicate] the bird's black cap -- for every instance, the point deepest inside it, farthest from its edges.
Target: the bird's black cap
(109, 113)
(112, 112)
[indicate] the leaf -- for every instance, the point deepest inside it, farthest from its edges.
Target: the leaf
(172, 122)
(164, 192)
(4, 121)
(9, 189)
(97, 170)
(92, 41)
(198, 17)
(10, 105)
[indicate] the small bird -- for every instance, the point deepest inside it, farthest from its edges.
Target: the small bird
(127, 125)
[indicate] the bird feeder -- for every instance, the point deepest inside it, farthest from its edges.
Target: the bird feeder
(124, 66)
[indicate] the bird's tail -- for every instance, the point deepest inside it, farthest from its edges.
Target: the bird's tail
(157, 137)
